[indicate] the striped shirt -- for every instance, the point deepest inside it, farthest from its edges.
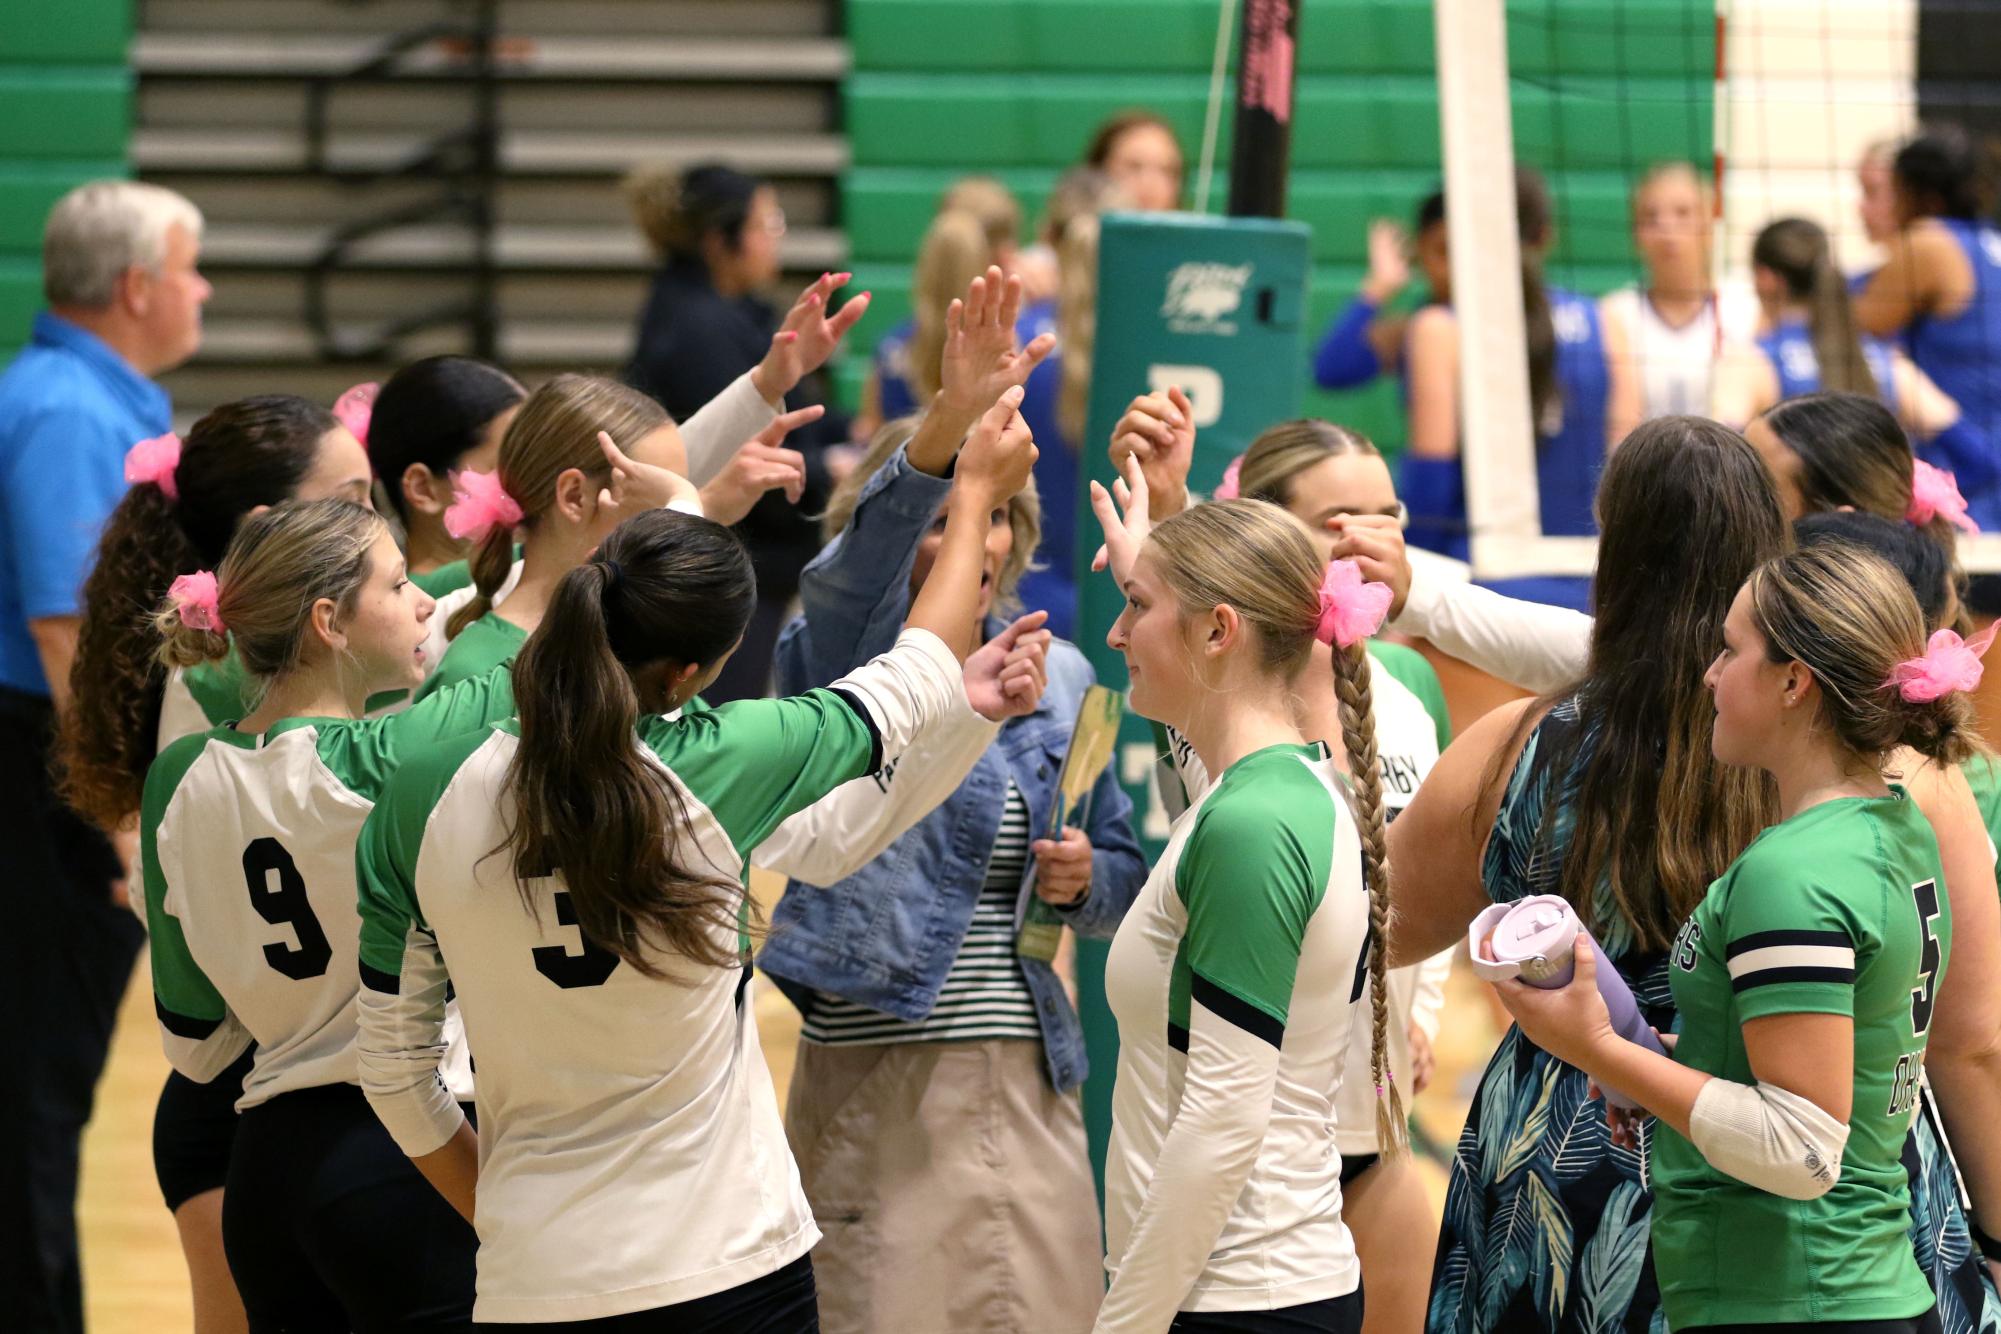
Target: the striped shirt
(984, 995)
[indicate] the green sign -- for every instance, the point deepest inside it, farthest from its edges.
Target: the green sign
(1215, 306)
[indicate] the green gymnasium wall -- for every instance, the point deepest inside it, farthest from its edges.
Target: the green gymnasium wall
(939, 88)
(65, 118)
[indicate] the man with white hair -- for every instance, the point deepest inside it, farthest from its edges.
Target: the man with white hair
(124, 305)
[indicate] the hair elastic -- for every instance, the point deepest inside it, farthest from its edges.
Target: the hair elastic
(1935, 494)
(1351, 608)
(355, 407)
(156, 460)
(197, 599)
(480, 503)
(1949, 664)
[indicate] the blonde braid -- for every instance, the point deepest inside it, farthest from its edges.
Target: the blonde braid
(1358, 734)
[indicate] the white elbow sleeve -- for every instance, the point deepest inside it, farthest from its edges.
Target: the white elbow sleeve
(1769, 1138)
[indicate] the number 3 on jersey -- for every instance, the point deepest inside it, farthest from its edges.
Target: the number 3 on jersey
(286, 904)
(1925, 896)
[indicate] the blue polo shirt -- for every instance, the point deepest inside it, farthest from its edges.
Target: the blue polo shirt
(69, 409)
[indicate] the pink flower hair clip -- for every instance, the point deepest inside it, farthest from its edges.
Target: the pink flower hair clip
(355, 407)
(1227, 488)
(197, 598)
(1935, 494)
(480, 504)
(1949, 665)
(1351, 608)
(155, 460)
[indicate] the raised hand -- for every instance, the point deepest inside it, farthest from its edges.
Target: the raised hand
(761, 465)
(999, 453)
(980, 357)
(1375, 542)
(637, 486)
(1389, 269)
(1158, 430)
(807, 337)
(1005, 677)
(1126, 523)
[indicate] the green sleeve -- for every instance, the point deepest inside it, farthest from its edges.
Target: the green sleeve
(1983, 776)
(487, 643)
(445, 579)
(1418, 676)
(1791, 937)
(754, 762)
(385, 856)
(1250, 883)
(180, 989)
(364, 755)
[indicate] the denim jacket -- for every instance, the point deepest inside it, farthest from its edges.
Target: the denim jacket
(886, 936)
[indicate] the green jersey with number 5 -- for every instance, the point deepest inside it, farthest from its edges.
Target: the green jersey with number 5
(247, 846)
(1838, 910)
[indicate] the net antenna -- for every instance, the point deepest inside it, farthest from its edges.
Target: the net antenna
(1497, 446)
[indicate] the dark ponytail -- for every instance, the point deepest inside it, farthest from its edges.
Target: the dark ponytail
(1798, 252)
(664, 588)
(255, 451)
(433, 412)
(1532, 223)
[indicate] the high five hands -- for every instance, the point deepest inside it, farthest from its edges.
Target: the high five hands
(808, 337)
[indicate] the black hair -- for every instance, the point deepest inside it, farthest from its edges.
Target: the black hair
(1913, 554)
(432, 412)
(1941, 173)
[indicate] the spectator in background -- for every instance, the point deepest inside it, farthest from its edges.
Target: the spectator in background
(124, 305)
(717, 233)
(1139, 151)
(434, 418)
(1940, 290)
(978, 223)
(1676, 324)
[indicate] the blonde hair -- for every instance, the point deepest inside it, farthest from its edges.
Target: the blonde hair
(279, 565)
(991, 202)
(1850, 618)
(1076, 321)
(1661, 171)
(1024, 511)
(956, 249)
(555, 431)
(1254, 557)
(1282, 452)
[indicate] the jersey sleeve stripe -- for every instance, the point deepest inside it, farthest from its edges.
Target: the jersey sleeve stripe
(854, 701)
(1824, 958)
(181, 1026)
(1235, 1010)
(1177, 1037)
(387, 984)
(1767, 977)
(1758, 940)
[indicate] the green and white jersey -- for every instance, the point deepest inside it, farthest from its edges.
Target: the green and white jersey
(1839, 910)
(247, 844)
(1233, 979)
(1983, 775)
(448, 578)
(1410, 720)
(485, 644)
(631, 1150)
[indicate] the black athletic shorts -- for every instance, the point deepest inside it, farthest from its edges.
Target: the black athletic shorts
(329, 1227)
(1928, 1323)
(782, 1302)
(1336, 1315)
(194, 1126)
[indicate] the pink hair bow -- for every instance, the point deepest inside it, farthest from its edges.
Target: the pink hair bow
(1934, 493)
(197, 599)
(1351, 608)
(1949, 664)
(480, 503)
(355, 406)
(1227, 488)
(155, 460)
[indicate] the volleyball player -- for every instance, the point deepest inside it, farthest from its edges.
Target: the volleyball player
(187, 500)
(1672, 330)
(1233, 974)
(1582, 395)
(1807, 977)
(1940, 289)
(1810, 344)
(578, 878)
(1364, 341)
(1320, 473)
(248, 836)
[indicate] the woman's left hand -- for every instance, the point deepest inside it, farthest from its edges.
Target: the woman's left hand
(1126, 524)
(637, 486)
(1570, 1022)
(807, 338)
(1062, 867)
